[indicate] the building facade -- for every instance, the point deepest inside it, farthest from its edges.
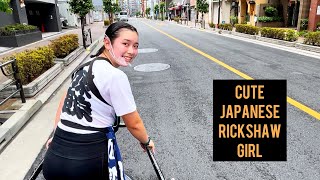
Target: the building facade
(133, 7)
(41, 13)
(64, 11)
(292, 12)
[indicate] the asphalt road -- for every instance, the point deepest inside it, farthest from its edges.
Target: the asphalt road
(176, 105)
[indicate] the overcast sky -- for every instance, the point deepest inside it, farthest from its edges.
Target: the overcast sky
(97, 2)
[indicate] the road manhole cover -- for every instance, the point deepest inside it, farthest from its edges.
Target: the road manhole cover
(147, 50)
(297, 73)
(151, 67)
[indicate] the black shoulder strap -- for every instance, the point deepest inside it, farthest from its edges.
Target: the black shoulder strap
(96, 92)
(93, 87)
(91, 84)
(90, 77)
(78, 68)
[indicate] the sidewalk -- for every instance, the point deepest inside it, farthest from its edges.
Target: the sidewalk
(18, 154)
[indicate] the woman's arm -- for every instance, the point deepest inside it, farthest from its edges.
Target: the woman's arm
(57, 118)
(136, 127)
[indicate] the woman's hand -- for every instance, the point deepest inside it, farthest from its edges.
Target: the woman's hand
(150, 146)
(49, 142)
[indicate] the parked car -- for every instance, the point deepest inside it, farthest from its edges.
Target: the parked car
(123, 16)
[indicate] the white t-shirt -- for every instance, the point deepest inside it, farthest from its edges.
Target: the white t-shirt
(83, 107)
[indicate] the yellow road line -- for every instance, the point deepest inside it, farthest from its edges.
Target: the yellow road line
(291, 101)
(303, 108)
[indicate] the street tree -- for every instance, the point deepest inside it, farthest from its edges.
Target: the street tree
(202, 7)
(5, 6)
(172, 4)
(110, 8)
(156, 10)
(116, 7)
(285, 4)
(81, 8)
(138, 14)
(148, 12)
(162, 6)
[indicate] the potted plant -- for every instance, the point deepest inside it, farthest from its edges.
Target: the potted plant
(272, 19)
(36, 70)
(106, 23)
(19, 35)
(66, 48)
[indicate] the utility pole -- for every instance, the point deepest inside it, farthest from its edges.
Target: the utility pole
(142, 8)
(146, 6)
(165, 9)
(102, 13)
(187, 12)
(219, 13)
(128, 8)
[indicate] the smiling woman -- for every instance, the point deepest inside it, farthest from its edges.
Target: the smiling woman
(125, 41)
(99, 94)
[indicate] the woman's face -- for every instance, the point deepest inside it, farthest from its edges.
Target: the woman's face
(125, 47)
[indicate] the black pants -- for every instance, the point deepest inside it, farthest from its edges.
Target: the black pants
(76, 156)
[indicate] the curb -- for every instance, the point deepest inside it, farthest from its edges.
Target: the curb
(71, 57)
(15, 123)
(307, 47)
(295, 44)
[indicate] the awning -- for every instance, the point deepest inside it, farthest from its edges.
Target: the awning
(175, 8)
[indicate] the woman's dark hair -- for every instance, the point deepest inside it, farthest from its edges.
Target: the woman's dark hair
(113, 32)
